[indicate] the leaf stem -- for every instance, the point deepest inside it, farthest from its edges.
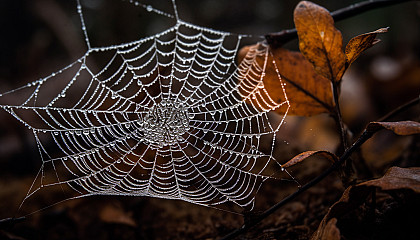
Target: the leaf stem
(279, 38)
(339, 117)
(347, 169)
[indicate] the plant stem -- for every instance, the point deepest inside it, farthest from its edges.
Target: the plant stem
(363, 138)
(347, 153)
(346, 170)
(282, 37)
(338, 117)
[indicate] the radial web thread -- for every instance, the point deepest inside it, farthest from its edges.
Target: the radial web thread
(170, 116)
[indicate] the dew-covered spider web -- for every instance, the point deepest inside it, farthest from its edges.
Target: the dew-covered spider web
(171, 116)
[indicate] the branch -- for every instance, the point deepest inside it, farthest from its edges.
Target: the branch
(367, 133)
(400, 109)
(10, 222)
(363, 138)
(282, 37)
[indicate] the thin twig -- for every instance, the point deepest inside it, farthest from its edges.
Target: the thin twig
(400, 109)
(347, 153)
(282, 37)
(363, 138)
(10, 222)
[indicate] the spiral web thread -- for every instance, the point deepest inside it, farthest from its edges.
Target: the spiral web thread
(169, 116)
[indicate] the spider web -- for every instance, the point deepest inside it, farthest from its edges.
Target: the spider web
(170, 116)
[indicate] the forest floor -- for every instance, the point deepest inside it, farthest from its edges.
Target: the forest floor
(381, 215)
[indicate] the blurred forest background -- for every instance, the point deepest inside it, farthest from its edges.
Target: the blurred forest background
(42, 36)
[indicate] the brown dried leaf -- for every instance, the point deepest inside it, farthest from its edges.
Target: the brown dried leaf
(400, 128)
(302, 156)
(397, 178)
(331, 232)
(308, 92)
(351, 198)
(394, 180)
(319, 41)
(359, 44)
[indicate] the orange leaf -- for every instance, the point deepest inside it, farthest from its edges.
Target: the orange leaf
(302, 156)
(359, 44)
(319, 41)
(308, 92)
(400, 128)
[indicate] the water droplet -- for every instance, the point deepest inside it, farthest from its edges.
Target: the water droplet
(149, 8)
(113, 95)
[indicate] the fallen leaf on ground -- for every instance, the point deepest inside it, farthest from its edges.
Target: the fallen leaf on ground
(319, 41)
(395, 179)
